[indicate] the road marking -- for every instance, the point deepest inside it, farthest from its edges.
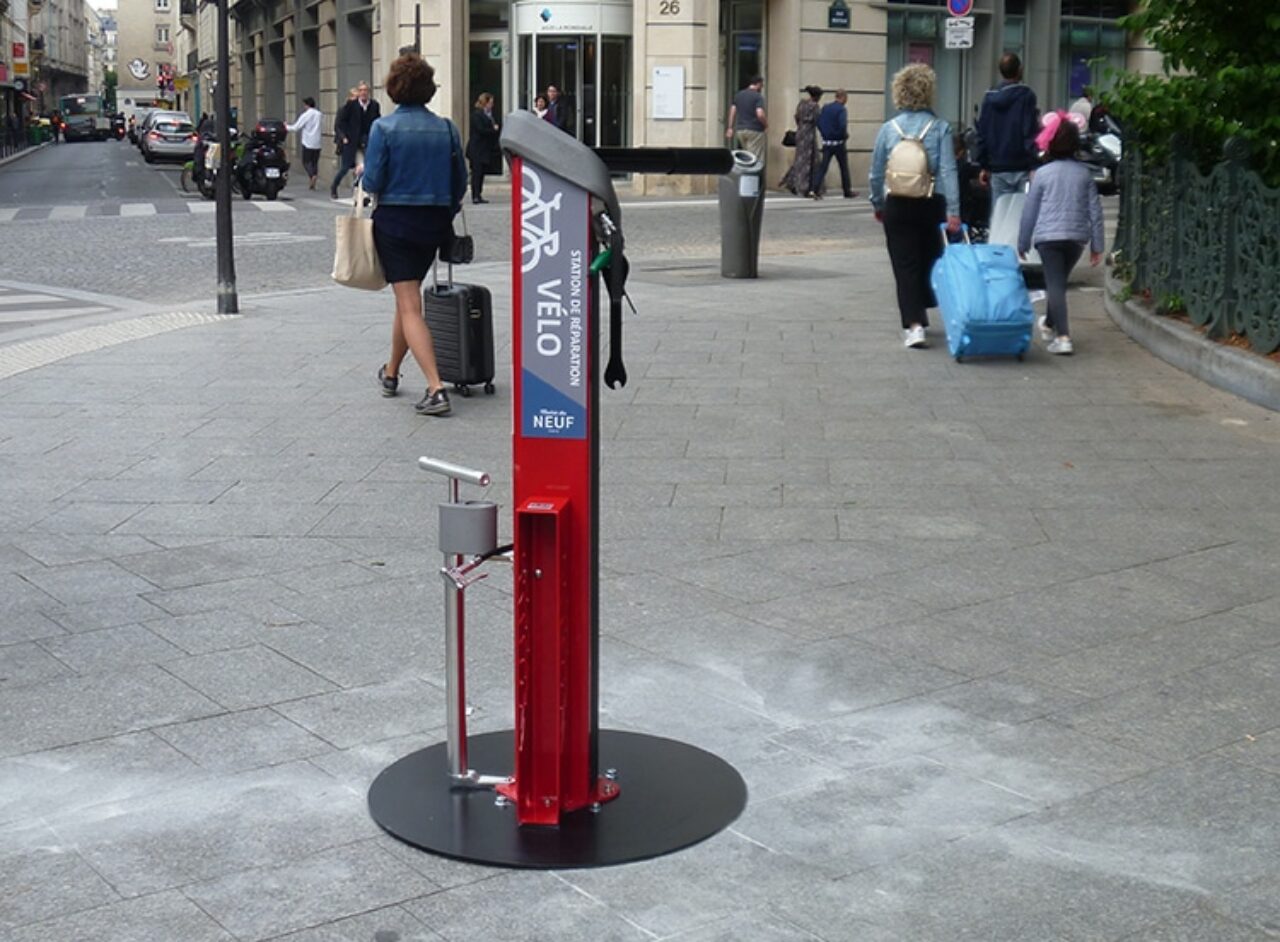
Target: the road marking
(23, 315)
(137, 209)
(246, 239)
(6, 215)
(202, 209)
(10, 300)
(272, 207)
(32, 354)
(68, 212)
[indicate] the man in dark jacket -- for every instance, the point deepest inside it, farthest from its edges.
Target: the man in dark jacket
(1007, 128)
(558, 111)
(351, 128)
(833, 128)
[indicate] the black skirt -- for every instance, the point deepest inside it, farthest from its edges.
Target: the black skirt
(408, 238)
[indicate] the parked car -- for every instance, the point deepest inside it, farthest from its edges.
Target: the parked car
(139, 124)
(169, 135)
(154, 115)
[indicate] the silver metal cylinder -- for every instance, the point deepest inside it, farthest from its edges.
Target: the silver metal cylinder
(456, 471)
(469, 528)
(455, 685)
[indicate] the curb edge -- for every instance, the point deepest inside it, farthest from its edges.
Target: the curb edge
(1242, 374)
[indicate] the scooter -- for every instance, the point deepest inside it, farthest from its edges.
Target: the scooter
(117, 127)
(1101, 151)
(207, 160)
(264, 168)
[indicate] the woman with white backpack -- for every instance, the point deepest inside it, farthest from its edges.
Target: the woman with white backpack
(914, 188)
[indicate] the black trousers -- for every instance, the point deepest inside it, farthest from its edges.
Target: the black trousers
(477, 179)
(311, 160)
(915, 242)
(842, 161)
(1058, 258)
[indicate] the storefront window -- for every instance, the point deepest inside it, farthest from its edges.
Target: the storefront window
(1092, 47)
(917, 36)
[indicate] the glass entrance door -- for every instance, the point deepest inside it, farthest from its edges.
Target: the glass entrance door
(593, 75)
(558, 62)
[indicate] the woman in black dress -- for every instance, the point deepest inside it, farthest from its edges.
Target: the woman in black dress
(482, 146)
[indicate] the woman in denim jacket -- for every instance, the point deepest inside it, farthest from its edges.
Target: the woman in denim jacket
(911, 224)
(414, 165)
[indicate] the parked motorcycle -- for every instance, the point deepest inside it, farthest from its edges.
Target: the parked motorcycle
(264, 168)
(1101, 150)
(207, 160)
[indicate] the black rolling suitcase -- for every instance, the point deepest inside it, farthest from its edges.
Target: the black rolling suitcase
(460, 318)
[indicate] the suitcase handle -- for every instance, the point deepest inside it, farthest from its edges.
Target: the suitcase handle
(964, 231)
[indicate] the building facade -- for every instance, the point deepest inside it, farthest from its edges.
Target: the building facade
(58, 49)
(662, 72)
(146, 54)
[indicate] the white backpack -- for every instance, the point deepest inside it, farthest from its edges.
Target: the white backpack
(907, 172)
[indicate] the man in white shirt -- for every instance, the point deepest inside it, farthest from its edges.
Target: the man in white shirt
(308, 129)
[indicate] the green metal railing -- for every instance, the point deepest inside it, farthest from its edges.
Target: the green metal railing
(1207, 244)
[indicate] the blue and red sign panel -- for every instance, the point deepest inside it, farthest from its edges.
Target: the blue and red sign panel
(554, 263)
(959, 7)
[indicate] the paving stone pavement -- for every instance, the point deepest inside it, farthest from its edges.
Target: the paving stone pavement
(994, 644)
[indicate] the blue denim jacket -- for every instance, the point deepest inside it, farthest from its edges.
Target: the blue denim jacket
(415, 158)
(937, 144)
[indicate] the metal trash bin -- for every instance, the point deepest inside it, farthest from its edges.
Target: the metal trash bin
(741, 195)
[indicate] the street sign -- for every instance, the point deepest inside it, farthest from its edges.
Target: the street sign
(959, 7)
(959, 33)
(495, 49)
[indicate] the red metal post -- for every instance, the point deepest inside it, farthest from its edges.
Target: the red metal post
(554, 495)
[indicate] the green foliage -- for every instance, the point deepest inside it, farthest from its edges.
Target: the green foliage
(1227, 84)
(110, 81)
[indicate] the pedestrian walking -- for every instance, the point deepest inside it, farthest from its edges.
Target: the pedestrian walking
(414, 165)
(799, 177)
(747, 121)
(55, 125)
(1062, 213)
(351, 128)
(833, 131)
(307, 128)
(482, 144)
(1007, 126)
(913, 159)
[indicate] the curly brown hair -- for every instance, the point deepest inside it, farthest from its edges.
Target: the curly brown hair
(913, 87)
(411, 81)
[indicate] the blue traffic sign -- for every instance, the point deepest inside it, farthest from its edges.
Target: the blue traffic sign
(959, 7)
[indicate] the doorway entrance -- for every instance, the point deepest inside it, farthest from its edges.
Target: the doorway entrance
(742, 26)
(590, 64)
(593, 74)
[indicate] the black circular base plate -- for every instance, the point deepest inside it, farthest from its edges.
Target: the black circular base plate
(672, 795)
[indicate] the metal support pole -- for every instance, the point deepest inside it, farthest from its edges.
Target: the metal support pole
(455, 685)
(228, 303)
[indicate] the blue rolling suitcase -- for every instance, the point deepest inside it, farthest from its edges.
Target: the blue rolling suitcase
(985, 306)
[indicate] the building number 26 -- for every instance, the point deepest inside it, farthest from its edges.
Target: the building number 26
(669, 8)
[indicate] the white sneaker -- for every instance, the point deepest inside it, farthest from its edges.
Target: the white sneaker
(914, 337)
(1046, 332)
(1061, 346)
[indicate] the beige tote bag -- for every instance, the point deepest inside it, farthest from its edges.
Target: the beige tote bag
(355, 257)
